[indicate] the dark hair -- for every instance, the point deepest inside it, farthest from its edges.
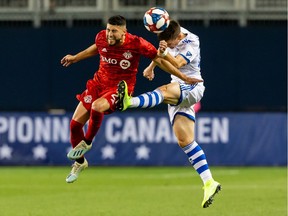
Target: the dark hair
(171, 32)
(117, 20)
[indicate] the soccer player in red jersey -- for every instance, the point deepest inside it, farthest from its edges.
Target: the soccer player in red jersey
(119, 53)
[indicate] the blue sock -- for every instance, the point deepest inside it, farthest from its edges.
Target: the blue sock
(147, 100)
(198, 160)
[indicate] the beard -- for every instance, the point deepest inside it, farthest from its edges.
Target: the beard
(117, 41)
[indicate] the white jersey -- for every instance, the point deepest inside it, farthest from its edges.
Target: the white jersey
(189, 49)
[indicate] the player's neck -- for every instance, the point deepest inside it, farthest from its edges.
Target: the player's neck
(182, 35)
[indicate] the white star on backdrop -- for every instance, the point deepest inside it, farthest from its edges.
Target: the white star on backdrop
(39, 152)
(108, 152)
(142, 152)
(5, 152)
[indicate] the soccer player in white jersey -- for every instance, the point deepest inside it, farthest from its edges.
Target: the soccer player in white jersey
(181, 48)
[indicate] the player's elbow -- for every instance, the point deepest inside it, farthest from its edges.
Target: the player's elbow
(177, 65)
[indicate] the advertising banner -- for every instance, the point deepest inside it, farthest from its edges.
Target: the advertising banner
(146, 138)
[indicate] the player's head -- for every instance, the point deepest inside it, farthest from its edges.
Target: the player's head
(171, 34)
(116, 30)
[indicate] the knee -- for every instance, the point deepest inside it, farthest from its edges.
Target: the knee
(184, 139)
(98, 106)
(163, 90)
(183, 142)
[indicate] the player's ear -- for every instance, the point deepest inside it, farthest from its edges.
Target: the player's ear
(124, 30)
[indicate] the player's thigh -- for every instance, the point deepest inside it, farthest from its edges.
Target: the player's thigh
(81, 114)
(171, 93)
(101, 105)
(107, 102)
(183, 128)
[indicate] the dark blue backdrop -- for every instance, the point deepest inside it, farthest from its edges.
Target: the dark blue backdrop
(146, 138)
(244, 68)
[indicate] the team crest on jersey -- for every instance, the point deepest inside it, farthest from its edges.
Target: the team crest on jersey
(104, 50)
(127, 55)
(88, 99)
(188, 54)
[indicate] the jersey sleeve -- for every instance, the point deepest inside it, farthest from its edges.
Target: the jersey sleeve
(99, 39)
(147, 49)
(99, 36)
(190, 50)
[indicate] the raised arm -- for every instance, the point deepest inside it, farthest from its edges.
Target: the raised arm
(177, 61)
(168, 67)
(87, 53)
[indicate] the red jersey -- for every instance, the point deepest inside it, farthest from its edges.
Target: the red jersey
(121, 62)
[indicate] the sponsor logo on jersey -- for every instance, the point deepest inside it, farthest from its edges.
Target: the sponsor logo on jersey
(109, 60)
(124, 64)
(127, 55)
(186, 41)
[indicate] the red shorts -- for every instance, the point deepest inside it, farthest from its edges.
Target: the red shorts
(94, 91)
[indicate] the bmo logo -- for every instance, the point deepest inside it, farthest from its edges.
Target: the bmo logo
(124, 64)
(108, 60)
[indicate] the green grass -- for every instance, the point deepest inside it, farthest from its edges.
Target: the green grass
(142, 191)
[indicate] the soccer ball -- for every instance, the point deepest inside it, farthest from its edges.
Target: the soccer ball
(156, 19)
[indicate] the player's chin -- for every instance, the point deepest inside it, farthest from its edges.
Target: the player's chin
(111, 42)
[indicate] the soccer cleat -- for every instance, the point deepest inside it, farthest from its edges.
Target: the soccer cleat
(76, 169)
(211, 188)
(79, 150)
(123, 97)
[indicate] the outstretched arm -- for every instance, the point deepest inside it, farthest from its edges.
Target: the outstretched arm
(87, 53)
(149, 71)
(168, 67)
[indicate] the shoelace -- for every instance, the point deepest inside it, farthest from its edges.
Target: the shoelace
(75, 167)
